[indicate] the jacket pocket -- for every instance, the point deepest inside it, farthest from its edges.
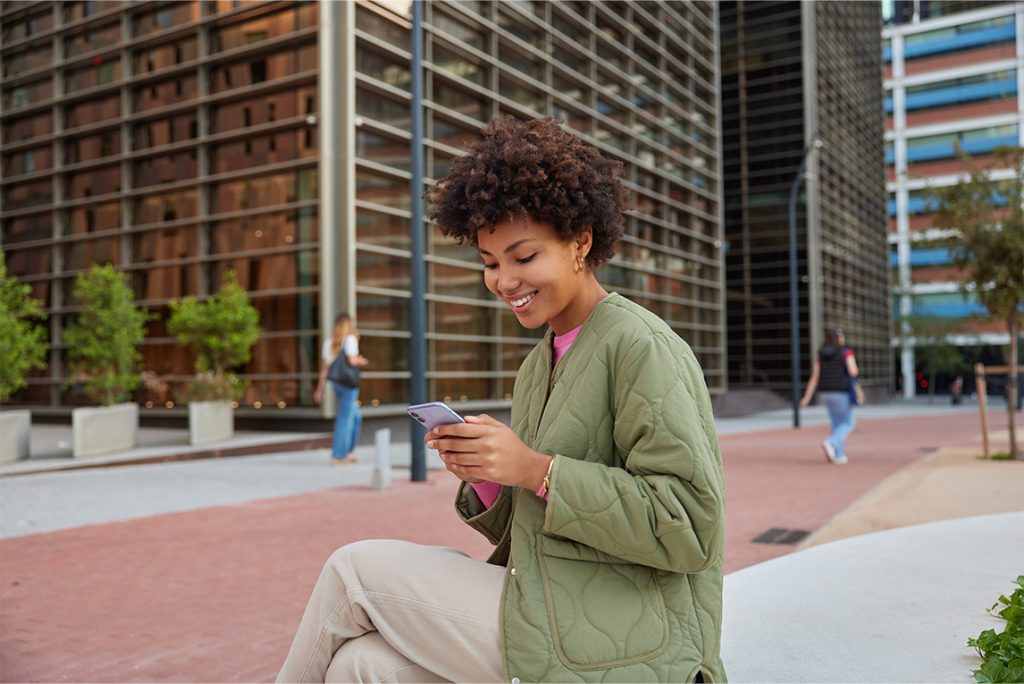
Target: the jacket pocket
(603, 611)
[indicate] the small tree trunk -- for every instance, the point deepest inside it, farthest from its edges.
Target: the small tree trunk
(1011, 385)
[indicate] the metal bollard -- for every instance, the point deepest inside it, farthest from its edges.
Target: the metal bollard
(382, 469)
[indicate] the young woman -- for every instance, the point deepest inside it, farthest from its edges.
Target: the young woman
(604, 500)
(833, 368)
(348, 422)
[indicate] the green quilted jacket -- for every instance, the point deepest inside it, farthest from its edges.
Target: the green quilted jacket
(618, 576)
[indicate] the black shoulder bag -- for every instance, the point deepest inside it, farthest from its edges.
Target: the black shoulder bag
(343, 372)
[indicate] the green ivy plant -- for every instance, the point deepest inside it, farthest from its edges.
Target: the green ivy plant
(22, 335)
(103, 341)
(220, 332)
(1002, 653)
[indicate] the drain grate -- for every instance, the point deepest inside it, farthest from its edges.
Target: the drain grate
(781, 535)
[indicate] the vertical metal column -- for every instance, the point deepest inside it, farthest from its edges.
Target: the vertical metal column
(337, 200)
(417, 304)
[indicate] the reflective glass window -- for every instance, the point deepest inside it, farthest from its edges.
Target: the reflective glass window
(275, 229)
(264, 27)
(449, 318)
(455, 63)
(82, 254)
(264, 149)
(94, 182)
(381, 312)
(92, 38)
(157, 132)
(104, 144)
(92, 111)
(163, 93)
(382, 66)
(382, 271)
(163, 56)
(382, 108)
(161, 283)
(264, 109)
(28, 26)
(179, 242)
(383, 149)
(458, 282)
(265, 191)
(166, 16)
(93, 218)
(73, 11)
(100, 72)
(168, 206)
(33, 58)
(379, 228)
(382, 189)
(279, 271)
(26, 228)
(461, 100)
(28, 161)
(458, 28)
(25, 195)
(29, 262)
(28, 127)
(28, 94)
(164, 169)
(263, 67)
(380, 26)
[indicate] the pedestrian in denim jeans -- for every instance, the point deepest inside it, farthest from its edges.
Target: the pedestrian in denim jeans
(344, 339)
(833, 368)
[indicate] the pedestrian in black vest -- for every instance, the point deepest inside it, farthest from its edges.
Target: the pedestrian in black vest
(833, 368)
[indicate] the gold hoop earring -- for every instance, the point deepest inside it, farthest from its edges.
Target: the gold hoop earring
(579, 264)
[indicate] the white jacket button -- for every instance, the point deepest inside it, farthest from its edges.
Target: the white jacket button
(514, 681)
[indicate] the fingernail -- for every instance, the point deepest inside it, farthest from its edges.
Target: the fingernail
(430, 445)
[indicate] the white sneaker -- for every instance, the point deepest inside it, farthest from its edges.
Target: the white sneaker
(840, 460)
(830, 451)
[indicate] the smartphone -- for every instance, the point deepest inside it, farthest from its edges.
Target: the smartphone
(434, 413)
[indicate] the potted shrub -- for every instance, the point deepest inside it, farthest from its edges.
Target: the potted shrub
(221, 332)
(22, 348)
(103, 353)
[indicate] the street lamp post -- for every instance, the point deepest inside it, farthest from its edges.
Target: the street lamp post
(794, 307)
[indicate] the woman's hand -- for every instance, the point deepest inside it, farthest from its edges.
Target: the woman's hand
(318, 395)
(805, 402)
(484, 449)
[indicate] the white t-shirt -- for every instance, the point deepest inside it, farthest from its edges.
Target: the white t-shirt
(350, 346)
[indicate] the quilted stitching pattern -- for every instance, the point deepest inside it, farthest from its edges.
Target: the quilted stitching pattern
(621, 570)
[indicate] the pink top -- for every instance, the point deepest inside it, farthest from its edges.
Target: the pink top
(488, 491)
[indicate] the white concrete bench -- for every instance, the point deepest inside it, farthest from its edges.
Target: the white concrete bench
(893, 606)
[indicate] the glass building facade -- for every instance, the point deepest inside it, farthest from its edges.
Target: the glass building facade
(177, 140)
(793, 72)
(952, 81)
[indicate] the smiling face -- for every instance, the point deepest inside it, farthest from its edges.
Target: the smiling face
(536, 273)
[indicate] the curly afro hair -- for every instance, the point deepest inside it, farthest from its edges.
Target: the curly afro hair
(537, 169)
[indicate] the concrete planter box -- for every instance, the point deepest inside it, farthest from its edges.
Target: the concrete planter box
(104, 430)
(14, 432)
(210, 421)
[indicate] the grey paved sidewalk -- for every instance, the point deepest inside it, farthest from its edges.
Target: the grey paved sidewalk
(47, 501)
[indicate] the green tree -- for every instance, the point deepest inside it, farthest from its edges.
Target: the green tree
(987, 245)
(221, 332)
(103, 342)
(22, 335)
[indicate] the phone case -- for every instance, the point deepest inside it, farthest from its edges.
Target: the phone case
(434, 413)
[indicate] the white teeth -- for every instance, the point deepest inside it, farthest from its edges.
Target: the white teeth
(522, 302)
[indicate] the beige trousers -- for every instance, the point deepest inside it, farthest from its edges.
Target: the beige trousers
(394, 611)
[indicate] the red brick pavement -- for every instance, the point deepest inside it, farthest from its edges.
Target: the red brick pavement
(215, 594)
